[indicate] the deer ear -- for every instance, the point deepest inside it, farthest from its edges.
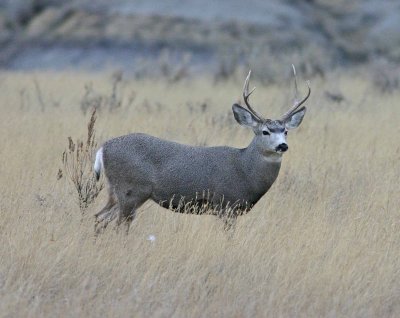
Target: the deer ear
(295, 119)
(244, 117)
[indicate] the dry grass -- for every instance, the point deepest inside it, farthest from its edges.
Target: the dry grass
(325, 241)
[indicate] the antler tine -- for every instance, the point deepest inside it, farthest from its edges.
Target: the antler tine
(246, 95)
(296, 90)
(297, 103)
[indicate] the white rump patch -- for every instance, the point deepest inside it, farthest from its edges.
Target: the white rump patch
(98, 164)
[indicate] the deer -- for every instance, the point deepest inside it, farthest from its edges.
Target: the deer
(226, 180)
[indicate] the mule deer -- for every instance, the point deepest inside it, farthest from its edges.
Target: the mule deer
(139, 167)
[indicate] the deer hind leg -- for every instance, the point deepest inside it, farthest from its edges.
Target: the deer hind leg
(107, 214)
(129, 201)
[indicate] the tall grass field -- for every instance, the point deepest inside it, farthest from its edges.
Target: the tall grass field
(323, 242)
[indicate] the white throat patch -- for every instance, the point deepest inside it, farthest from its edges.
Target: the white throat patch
(273, 157)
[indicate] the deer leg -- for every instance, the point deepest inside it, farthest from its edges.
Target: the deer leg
(229, 217)
(103, 212)
(230, 223)
(106, 218)
(107, 214)
(129, 202)
(126, 214)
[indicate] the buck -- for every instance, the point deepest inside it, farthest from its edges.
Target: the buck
(226, 180)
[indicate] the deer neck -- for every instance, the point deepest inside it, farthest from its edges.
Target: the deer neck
(262, 166)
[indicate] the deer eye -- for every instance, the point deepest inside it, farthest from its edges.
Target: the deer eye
(286, 133)
(265, 132)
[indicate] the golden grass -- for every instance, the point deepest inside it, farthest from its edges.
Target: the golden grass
(324, 241)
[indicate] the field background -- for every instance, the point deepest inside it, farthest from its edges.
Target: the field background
(324, 241)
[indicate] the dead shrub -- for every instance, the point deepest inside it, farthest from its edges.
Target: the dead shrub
(78, 166)
(107, 102)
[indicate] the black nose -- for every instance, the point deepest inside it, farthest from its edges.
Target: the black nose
(282, 147)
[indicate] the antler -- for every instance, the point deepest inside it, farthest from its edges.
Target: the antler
(246, 95)
(297, 103)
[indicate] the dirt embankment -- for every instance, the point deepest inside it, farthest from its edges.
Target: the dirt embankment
(314, 34)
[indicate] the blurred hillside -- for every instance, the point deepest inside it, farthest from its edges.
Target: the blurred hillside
(197, 36)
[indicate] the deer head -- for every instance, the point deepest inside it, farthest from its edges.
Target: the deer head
(270, 134)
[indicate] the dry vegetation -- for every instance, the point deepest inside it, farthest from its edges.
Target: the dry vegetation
(325, 241)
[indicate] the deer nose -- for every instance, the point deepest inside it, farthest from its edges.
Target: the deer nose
(282, 147)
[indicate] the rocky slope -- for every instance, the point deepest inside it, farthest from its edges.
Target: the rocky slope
(198, 35)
